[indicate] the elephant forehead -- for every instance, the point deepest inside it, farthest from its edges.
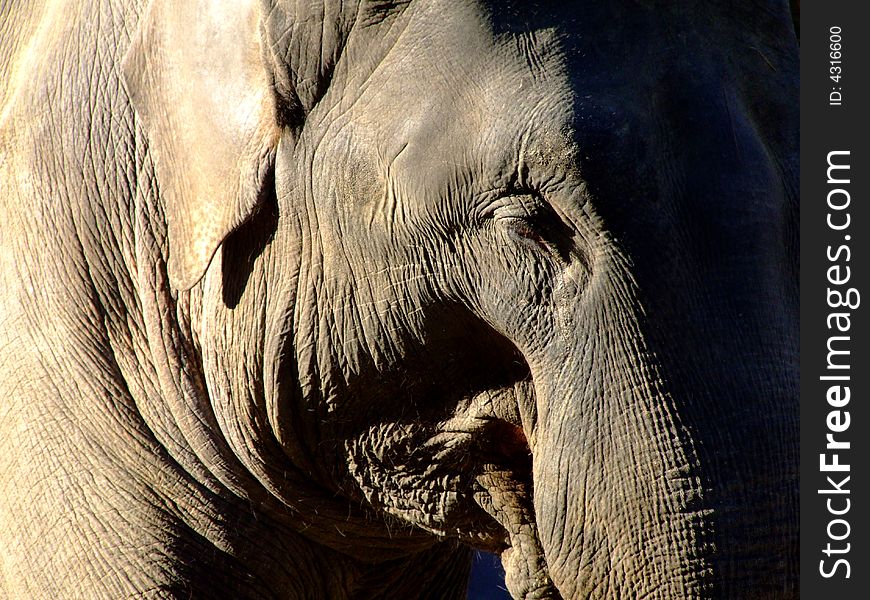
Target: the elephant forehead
(444, 114)
(481, 97)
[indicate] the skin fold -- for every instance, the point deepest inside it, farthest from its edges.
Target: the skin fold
(306, 300)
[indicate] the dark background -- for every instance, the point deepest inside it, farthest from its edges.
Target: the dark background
(487, 578)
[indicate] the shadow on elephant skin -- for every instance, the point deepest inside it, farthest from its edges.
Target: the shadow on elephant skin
(242, 247)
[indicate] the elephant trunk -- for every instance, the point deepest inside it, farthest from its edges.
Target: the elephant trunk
(663, 462)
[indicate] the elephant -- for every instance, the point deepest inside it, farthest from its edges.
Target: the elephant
(310, 299)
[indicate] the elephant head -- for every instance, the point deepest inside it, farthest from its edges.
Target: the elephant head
(520, 274)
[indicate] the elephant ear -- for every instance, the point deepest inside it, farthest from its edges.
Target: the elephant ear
(196, 77)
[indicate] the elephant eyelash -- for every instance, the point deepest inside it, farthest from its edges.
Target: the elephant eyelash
(504, 204)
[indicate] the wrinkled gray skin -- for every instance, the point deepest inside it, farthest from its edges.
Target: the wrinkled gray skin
(300, 301)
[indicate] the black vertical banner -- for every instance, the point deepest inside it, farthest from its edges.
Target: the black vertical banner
(835, 337)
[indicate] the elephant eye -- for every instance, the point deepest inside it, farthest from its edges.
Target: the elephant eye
(525, 229)
(530, 221)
